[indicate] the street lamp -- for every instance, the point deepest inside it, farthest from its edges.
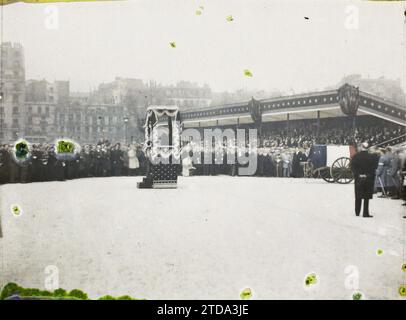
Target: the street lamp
(126, 128)
(101, 128)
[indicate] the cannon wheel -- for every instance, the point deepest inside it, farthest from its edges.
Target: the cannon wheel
(340, 171)
(325, 174)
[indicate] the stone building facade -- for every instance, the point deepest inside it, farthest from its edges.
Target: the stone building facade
(12, 92)
(42, 111)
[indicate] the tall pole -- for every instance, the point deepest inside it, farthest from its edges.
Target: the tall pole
(126, 132)
(126, 129)
(354, 126)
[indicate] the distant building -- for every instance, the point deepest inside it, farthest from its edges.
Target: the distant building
(134, 93)
(185, 95)
(121, 91)
(41, 121)
(91, 123)
(80, 97)
(43, 101)
(57, 92)
(388, 89)
(12, 92)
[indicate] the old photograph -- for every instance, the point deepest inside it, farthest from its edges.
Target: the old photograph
(203, 150)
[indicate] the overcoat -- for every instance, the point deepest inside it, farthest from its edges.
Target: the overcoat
(363, 166)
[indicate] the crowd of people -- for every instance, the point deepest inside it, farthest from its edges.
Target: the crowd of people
(101, 160)
(336, 131)
(282, 153)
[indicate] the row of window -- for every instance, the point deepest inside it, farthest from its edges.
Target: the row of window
(39, 109)
(91, 129)
(94, 120)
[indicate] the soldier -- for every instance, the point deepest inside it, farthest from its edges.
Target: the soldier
(363, 166)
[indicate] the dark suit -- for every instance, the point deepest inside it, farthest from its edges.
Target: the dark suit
(363, 166)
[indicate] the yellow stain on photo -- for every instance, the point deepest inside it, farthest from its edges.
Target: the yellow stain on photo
(402, 290)
(248, 73)
(246, 294)
(379, 252)
(16, 210)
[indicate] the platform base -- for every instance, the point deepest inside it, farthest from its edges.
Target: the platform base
(160, 176)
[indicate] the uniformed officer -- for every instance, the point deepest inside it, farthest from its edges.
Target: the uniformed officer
(363, 166)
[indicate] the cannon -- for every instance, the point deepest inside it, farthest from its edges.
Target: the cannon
(331, 163)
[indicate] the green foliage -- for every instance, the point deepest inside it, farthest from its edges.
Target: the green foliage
(107, 298)
(125, 298)
(10, 289)
(60, 293)
(78, 294)
(14, 289)
(357, 296)
(65, 146)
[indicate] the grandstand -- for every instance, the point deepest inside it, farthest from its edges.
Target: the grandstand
(312, 109)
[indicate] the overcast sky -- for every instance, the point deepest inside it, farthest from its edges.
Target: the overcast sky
(95, 42)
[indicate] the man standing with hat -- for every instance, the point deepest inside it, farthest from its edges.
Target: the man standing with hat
(363, 166)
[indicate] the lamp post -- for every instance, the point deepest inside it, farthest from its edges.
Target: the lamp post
(126, 128)
(101, 128)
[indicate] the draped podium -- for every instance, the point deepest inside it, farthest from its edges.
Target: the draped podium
(162, 147)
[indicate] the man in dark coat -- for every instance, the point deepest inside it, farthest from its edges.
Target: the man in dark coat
(84, 160)
(50, 166)
(116, 160)
(36, 164)
(363, 166)
(5, 160)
